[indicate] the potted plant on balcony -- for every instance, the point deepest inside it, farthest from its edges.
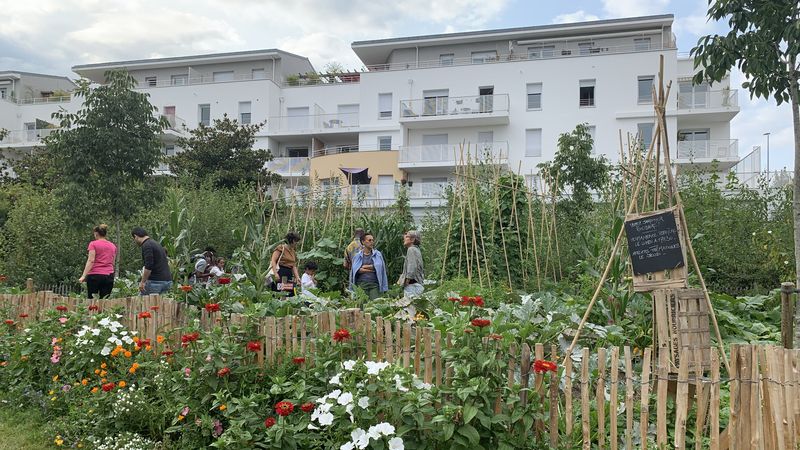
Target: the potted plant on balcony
(293, 80)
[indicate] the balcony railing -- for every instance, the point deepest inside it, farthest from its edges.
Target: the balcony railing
(496, 152)
(27, 137)
(710, 149)
(335, 150)
(559, 50)
(726, 98)
(371, 194)
(454, 106)
(206, 78)
(44, 100)
(322, 122)
(175, 122)
(289, 166)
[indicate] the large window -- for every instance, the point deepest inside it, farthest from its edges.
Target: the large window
(244, 113)
(446, 59)
(645, 132)
(586, 92)
(384, 143)
(541, 51)
(533, 142)
(484, 57)
(179, 80)
(641, 44)
(204, 114)
(534, 96)
(644, 89)
(385, 106)
(169, 150)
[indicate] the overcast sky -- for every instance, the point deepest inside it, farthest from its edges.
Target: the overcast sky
(50, 36)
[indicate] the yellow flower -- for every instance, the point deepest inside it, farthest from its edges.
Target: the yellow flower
(136, 339)
(180, 418)
(97, 371)
(122, 384)
(103, 380)
(94, 389)
(160, 339)
(58, 441)
(80, 445)
(23, 358)
(51, 392)
(55, 378)
(222, 407)
(52, 399)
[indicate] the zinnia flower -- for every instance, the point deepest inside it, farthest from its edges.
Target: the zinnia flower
(122, 384)
(94, 308)
(541, 366)
(254, 346)
(307, 407)
(496, 337)
(63, 320)
(186, 288)
(3, 278)
(212, 307)
(108, 387)
(191, 337)
(154, 308)
(480, 323)
(222, 407)
(167, 353)
(9, 322)
(224, 280)
(341, 335)
(159, 339)
(284, 408)
(298, 360)
(61, 308)
(270, 422)
(145, 315)
(223, 372)
(478, 301)
(23, 315)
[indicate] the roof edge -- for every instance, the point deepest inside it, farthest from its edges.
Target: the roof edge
(265, 52)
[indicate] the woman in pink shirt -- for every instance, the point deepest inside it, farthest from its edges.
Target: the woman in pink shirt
(99, 270)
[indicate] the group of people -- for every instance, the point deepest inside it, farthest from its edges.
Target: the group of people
(365, 264)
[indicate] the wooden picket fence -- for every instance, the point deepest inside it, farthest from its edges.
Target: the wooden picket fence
(598, 399)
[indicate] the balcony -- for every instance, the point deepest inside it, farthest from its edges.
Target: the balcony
(717, 105)
(722, 153)
(335, 150)
(313, 124)
(372, 196)
(289, 166)
(449, 155)
(177, 128)
(44, 100)
(26, 138)
(205, 78)
(435, 112)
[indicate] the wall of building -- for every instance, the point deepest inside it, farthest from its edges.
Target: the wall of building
(242, 71)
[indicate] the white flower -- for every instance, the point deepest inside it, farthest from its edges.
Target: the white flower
(754, 233)
(127, 340)
(96, 331)
(349, 410)
(345, 399)
(363, 402)
(312, 427)
(104, 322)
(396, 443)
(348, 365)
(360, 438)
(374, 368)
(347, 446)
(381, 429)
(398, 383)
(769, 231)
(335, 380)
(325, 419)
(418, 384)
(105, 351)
(786, 263)
(335, 394)
(124, 333)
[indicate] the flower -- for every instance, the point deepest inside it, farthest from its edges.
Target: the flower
(270, 422)
(254, 346)
(307, 407)
(212, 307)
(363, 402)
(61, 308)
(298, 360)
(187, 371)
(480, 323)
(341, 335)
(122, 384)
(108, 387)
(128, 354)
(345, 399)
(349, 365)
(63, 320)
(380, 430)
(94, 308)
(222, 407)
(224, 280)
(360, 438)
(191, 337)
(186, 288)
(452, 299)
(541, 366)
(84, 381)
(58, 441)
(478, 301)
(145, 315)
(133, 368)
(23, 315)
(374, 368)
(185, 411)
(167, 353)
(160, 339)
(496, 337)
(396, 443)
(223, 372)
(284, 408)
(217, 428)
(94, 390)
(180, 417)
(9, 322)
(143, 343)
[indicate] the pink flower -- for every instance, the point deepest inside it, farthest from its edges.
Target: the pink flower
(185, 411)
(217, 428)
(63, 320)
(187, 372)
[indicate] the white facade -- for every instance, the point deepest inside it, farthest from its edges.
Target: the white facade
(508, 94)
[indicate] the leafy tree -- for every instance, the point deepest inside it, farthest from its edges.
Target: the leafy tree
(105, 152)
(222, 154)
(574, 168)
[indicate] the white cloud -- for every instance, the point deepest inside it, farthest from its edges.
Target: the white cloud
(632, 8)
(577, 16)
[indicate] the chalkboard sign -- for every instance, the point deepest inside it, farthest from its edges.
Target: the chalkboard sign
(654, 243)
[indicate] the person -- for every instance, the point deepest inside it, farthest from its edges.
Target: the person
(217, 269)
(308, 282)
(98, 273)
(353, 248)
(412, 277)
(369, 269)
(284, 264)
(156, 276)
(202, 268)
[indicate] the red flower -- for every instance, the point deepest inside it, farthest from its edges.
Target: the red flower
(23, 315)
(541, 366)
(496, 337)
(270, 422)
(167, 353)
(284, 408)
(465, 301)
(223, 372)
(191, 337)
(9, 322)
(154, 308)
(212, 307)
(61, 308)
(480, 323)
(186, 288)
(341, 335)
(145, 315)
(307, 407)
(94, 308)
(478, 301)
(3, 278)
(108, 387)
(254, 346)
(224, 280)
(298, 360)
(143, 343)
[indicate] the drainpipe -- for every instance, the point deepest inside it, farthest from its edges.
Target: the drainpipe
(273, 68)
(417, 62)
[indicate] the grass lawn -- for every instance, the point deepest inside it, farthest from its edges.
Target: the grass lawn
(23, 430)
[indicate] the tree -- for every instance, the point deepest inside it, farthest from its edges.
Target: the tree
(222, 154)
(105, 153)
(574, 167)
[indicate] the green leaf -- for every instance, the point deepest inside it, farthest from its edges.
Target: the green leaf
(469, 432)
(469, 412)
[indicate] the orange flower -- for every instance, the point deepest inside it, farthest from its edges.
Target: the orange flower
(121, 384)
(94, 390)
(97, 371)
(128, 354)
(136, 339)
(186, 288)
(104, 366)
(148, 348)
(541, 366)
(222, 407)
(103, 373)
(103, 380)
(160, 339)
(84, 381)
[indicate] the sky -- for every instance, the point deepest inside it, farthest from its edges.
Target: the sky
(50, 36)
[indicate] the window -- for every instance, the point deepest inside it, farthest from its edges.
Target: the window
(446, 59)
(244, 113)
(385, 106)
(645, 131)
(484, 57)
(297, 152)
(384, 142)
(223, 76)
(586, 92)
(593, 133)
(533, 142)
(258, 74)
(641, 44)
(644, 89)
(150, 81)
(204, 114)
(180, 80)
(541, 51)
(585, 48)
(3, 93)
(436, 102)
(690, 96)
(169, 150)
(534, 96)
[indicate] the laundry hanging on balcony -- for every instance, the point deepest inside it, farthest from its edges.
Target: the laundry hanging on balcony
(357, 175)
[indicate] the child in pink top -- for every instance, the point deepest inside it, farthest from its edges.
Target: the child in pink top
(99, 270)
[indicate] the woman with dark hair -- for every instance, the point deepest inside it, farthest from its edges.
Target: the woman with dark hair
(98, 273)
(284, 264)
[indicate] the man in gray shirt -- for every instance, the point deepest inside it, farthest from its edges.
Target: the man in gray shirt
(412, 277)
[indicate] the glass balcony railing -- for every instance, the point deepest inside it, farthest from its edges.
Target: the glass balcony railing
(454, 106)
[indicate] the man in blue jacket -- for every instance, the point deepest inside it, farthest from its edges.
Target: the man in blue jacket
(369, 269)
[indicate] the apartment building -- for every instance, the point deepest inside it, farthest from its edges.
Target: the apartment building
(425, 103)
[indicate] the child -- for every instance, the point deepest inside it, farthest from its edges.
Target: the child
(308, 281)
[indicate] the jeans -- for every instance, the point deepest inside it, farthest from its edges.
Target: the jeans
(156, 287)
(413, 290)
